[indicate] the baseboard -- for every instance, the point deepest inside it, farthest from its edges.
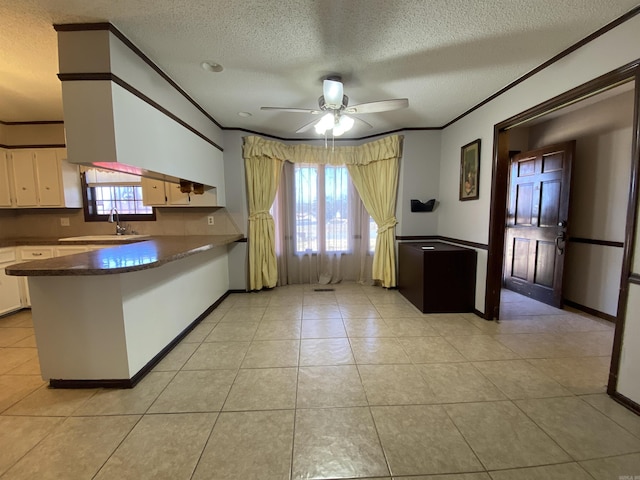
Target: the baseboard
(627, 402)
(591, 311)
(133, 381)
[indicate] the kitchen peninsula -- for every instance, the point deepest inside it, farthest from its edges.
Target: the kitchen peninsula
(103, 318)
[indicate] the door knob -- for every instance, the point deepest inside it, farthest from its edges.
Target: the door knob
(560, 238)
(562, 223)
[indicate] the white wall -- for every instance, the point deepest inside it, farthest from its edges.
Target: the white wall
(470, 220)
(419, 179)
(599, 194)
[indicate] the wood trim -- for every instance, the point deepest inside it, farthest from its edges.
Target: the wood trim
(107, 76)
(500, 173)
(593, 241)
(626, 277)
(131, 382)
(316, 139)
(241, 240)
(79, 27)
(17, 147)
(35, 122)
(416, 238)
(497, 222)
(440, 238)
(627, 402)
(634, 278)
(591, 311)
(610, 26)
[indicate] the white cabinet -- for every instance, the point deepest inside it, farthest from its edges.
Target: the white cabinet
(175, 196)
(157, 193)
(5, 188)
(48, 179)
(70, 250)
(24, 178)
(153, 193)
(41, 178)
(9, 286)
(27, 254)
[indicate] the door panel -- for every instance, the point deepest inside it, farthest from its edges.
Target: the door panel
(539, 190)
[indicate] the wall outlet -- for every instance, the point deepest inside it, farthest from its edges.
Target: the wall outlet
(64, 221)
(210, 220)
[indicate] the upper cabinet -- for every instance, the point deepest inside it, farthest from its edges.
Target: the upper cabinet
(157, 193)
(5, 190)
(39, 178)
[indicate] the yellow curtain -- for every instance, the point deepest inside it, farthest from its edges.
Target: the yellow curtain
(263, 177)
(377, 184)
(375, 164)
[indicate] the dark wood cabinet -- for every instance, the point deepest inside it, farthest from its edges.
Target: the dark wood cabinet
(439, 278)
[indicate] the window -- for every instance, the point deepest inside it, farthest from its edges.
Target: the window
(104, 191)
(324, 202)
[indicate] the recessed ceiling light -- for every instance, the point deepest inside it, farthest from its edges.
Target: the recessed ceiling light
(244, 114)
(211, 67)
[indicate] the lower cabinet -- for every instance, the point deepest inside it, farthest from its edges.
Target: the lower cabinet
(10, 287)
(14, 291)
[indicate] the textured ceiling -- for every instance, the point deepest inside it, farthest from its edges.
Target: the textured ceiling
(444, 55)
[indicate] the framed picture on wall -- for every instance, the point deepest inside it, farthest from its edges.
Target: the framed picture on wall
(470, 171)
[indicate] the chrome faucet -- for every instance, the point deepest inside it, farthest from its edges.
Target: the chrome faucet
(119, 228)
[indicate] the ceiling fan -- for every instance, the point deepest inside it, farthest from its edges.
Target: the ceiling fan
(337, 112)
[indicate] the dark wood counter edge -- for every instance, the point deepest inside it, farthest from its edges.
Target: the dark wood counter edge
(39, 268)
(131, 382)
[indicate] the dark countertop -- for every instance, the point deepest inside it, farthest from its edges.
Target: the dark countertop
(151, 253)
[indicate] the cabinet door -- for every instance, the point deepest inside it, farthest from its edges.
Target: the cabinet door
(70, 250)
(35, 253)
(48, 179)
(5, 189)
(24, 178)
(176, 197)
(153, 193)
(9, 286)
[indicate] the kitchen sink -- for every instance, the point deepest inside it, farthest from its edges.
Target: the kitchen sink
(104, 238)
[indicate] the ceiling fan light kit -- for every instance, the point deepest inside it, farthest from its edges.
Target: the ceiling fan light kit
(335, 103)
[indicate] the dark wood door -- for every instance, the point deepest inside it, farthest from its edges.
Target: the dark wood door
(537, 217)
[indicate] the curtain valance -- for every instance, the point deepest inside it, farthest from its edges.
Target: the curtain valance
(383, 149)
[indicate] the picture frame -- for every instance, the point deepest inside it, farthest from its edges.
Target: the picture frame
(470, 171)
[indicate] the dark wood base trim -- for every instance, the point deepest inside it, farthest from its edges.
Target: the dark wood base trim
(634, 278)
(481, 314)
(440, 238)
(627, 402)
(131, 382)
(590, 311)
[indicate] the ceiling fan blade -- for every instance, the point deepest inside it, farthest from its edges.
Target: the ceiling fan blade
(381, 106)
(307, 126)
(333, 92)
(366, 124)
(293, 110)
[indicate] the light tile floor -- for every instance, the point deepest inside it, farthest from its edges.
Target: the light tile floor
(354, 383)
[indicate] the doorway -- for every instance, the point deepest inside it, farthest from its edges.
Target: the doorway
(504, 135)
